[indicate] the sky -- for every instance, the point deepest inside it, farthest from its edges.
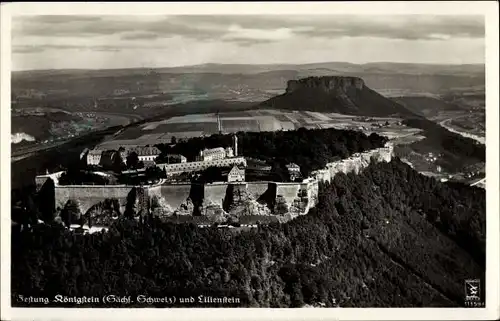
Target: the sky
(111, 41)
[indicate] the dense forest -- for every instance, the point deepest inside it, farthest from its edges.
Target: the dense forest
(386, 237)
(76, 177)
(311, 149)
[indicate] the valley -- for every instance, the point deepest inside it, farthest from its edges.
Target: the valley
(378, 174)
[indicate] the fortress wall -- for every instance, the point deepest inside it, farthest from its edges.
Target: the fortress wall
(215, 193)
(91, 195)
(355, 163)
(288, 191)
(312, 193)
(174, 195)
(257, 189)
(40, 181)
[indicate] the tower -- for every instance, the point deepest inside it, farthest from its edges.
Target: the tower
(235, 145)
(219, 125)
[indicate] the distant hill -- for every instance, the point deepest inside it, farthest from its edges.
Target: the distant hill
(346, 95)
(376, 67)
(76, 87)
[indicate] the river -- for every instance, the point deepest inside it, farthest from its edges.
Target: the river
(479, 139)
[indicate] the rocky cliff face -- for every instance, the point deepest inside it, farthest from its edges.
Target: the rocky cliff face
(214, 212)
(241, 202)
(335, 84)
(186, 208)
(160, 207)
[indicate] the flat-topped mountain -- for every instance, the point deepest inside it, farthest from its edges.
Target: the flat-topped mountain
(327, 83)
(339, 94)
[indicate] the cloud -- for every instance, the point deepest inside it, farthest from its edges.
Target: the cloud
(68, 28)
(27, 49)
(127, 27)
(140, 36)
(245, 42)
(399, 27)
(406, 27)
(42, 48)
(55, 19)
(247, 30)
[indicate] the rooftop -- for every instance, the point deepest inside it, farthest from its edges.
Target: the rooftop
(144, 150)
(213, 150)
(95, 152)
(237, 170)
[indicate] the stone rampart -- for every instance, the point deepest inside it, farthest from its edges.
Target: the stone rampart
(173, 194)
(89, 195)
(355, 163)
(257, 189)
(215, 193)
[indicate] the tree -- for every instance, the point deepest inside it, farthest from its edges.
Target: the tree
(173, 140)
(130, 207)
(132, 160)
(71, 212)
(154, 173)
(46, 201)
(118, 164)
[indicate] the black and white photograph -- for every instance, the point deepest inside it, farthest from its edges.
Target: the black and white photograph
(230, 156)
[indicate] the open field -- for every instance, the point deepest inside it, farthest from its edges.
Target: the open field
(195, 125)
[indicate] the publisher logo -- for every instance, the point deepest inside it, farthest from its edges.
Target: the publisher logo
(473, 290)
(473, 293)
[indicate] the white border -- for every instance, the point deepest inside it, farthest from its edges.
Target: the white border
(487, 8)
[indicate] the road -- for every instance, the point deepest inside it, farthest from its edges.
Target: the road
(480, 182)
(23, 153)
(27, 152)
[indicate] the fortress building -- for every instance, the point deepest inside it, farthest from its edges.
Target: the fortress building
(236, 174)
(201, 165)
(219, 153)
(176, 158)
(213, 157)
(212, 154)
(293, 171)
(144, 153)
(94, 157)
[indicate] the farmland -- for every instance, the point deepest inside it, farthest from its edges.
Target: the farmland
(196, 125)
